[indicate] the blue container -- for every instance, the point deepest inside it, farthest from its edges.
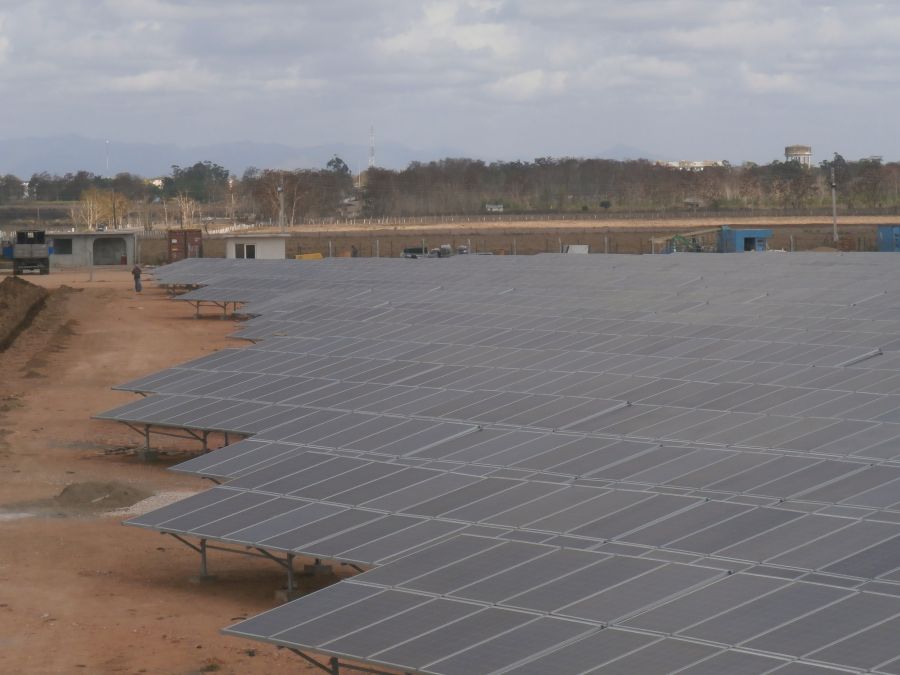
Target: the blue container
(889, 238)
(740, 241)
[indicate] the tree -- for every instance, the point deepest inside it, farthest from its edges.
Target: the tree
(337, 165)
(87, 212)
(869, 182)
(187, 207)
(11, 189)
(98, 207)
(202, 182)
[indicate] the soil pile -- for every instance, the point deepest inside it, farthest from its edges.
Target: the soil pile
(20, 301)
(99, 496)
(90, 497)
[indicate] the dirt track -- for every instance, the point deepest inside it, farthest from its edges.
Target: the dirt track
(79, 593)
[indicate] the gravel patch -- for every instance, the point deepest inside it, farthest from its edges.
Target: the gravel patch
(152, 503)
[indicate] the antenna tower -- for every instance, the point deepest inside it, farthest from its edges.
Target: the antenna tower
(371, 147)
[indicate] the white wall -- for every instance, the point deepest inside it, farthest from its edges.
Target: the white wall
(266, 248)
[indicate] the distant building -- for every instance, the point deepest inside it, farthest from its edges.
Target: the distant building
(261, 246)
(493, 208)
(799, 153)
(692, 164)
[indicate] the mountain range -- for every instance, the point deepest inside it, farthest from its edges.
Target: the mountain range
(24, 157)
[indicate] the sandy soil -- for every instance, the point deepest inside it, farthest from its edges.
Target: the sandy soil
(79, 593)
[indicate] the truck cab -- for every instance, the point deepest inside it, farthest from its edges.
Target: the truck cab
(31, 252)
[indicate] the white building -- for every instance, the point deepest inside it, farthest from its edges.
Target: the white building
(692, 164)
(257, 246)
(81, 249)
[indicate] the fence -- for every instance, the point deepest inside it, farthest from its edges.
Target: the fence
(391, 221)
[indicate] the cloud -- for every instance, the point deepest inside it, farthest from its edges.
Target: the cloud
(4, 43)
(166, 81)
(529, 85)
(443, 26)
(766, 83)
(446, 72)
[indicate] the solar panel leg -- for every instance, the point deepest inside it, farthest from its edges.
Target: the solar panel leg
(290, 572)
(145, 454)
(333, 667)
(204, 569)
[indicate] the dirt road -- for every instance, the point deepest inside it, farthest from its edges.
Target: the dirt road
(79, 593)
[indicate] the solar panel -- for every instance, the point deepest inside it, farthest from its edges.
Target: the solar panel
(705, 413)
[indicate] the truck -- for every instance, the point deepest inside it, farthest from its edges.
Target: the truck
(31, 252)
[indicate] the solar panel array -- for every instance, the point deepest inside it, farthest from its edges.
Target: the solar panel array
(559, 463)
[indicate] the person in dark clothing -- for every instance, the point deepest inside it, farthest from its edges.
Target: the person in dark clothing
(136, 273)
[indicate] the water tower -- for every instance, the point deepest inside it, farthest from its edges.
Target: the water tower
(799, 153)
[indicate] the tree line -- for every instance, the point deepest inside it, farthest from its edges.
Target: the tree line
(454, 187)
(464, 186)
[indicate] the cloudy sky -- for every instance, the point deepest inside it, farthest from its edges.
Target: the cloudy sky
(495, 79)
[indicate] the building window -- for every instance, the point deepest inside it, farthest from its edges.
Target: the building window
(62, 246)
(245, 250)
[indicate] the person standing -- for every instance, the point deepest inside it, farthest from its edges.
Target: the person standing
(136, 273)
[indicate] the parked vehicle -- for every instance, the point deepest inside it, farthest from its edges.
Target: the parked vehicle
(414, 252)
(31, 252)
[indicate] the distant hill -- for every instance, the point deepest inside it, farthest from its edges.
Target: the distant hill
(625, 152)
(24, 157)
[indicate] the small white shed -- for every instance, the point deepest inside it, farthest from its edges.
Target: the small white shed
(258, 246)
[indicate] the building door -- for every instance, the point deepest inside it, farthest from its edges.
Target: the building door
(749, 243)
(110, 251)
(250, 251)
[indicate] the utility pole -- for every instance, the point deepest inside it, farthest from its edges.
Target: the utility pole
(280, 189)
(834, 230)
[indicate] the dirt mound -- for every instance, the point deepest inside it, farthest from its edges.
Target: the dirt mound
(90, 497)
(99, 496)
(19, 303)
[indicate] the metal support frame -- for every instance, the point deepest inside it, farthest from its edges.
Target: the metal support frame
(287, 563)
(174, 290)
(334, 664)
(223, 305)
(201, 549)
(146, 430)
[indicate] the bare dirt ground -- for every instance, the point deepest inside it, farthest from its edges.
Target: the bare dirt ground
(79, 593)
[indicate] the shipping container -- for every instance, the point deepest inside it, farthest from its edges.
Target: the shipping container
(184, 244)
